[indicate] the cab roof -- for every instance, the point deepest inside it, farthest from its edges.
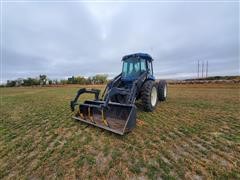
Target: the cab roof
(138, 55)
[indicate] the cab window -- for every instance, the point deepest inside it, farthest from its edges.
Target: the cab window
(150, 68)
(131, 68)
(143, 65)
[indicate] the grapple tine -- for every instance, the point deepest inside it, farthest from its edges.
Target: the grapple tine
(89, 114)
(104, 118)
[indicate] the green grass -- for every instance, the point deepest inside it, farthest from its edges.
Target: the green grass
(194, 134)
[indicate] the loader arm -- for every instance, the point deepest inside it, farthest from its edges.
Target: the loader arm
(135, 90)
(96, 92)
(131, 93)
(110, 85)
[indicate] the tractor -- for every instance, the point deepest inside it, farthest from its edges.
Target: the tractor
(115, 110)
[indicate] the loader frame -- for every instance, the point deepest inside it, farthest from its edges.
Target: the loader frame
(112, 90)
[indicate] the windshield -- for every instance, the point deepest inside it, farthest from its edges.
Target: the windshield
(133, 67)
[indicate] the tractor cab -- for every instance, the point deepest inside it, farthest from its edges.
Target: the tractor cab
(136, 64)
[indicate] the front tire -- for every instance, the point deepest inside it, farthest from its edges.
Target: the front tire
(149, 95)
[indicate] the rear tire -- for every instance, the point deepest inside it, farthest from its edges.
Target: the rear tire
(149, 95)
(162, 90)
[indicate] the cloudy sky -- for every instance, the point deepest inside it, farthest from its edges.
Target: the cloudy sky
(61, 39)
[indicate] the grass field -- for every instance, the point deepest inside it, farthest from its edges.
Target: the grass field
(195, 134)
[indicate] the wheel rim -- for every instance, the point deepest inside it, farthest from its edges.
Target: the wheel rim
(154, 96)
(165, 91)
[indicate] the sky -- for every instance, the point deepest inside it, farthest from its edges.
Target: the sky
(62, 39)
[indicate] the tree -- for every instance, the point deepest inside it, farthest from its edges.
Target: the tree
(80, 80)
(31, 82)
(63, 81)
(19, 82)
(43, 79)
(71, 80)
(89, 80)
(99, 79)
(11, 83)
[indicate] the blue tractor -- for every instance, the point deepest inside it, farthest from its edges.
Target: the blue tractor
(115, 110)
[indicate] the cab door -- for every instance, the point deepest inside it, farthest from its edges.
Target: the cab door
(150, 70)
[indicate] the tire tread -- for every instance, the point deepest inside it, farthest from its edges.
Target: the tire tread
(146, 95)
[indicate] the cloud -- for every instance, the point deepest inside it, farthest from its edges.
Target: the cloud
(64, 39)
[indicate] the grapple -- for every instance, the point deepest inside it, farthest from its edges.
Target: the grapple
(111, 116)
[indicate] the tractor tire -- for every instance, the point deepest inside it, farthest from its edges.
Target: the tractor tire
(149, 95)
(162, 90)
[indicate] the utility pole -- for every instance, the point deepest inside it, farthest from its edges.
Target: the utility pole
(202, 68)
(207, 70)
(198, 69)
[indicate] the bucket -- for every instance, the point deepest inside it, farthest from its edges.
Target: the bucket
(116, 117)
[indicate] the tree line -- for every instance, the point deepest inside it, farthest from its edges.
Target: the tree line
(43, 80)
